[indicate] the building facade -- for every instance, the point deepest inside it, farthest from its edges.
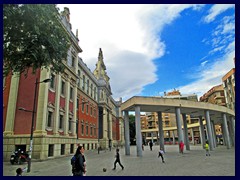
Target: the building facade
(76, 107)
(150, 122)
(229, 88)
(214, 96)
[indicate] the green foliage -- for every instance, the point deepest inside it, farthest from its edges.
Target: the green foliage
(132, 126)
(33, 38)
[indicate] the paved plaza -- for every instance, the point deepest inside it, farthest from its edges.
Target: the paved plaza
(191, 163)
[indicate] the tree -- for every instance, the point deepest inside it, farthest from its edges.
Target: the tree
(33, 37)
(132, 129)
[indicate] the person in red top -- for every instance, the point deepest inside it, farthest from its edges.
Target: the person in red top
(181, 146)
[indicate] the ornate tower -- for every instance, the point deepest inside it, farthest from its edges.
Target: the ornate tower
(105, 102)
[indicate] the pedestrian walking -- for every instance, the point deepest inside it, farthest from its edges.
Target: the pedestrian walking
(207, 149)
(79, 163)
(151, 145)
(143, 147)
(181, 146)
(117, 156)
(160, 153)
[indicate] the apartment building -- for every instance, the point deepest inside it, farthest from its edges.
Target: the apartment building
(150, 122)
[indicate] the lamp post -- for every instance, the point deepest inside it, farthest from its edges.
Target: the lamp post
(33, 118)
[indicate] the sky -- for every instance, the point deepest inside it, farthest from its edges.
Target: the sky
(150, 49)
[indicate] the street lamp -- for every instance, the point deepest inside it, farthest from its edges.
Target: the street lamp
(33, 118)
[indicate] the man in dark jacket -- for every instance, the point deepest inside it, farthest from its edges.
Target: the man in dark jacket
(151, 145)
(117, 160)
(79, 162)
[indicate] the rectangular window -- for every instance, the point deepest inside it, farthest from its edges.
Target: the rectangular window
(63, 88)
(73, 61)
(52, 84)
(91, 89)
(70, 124)
(86, 129)
(83, 85)
(71, 148)
(62, 149)
(95, 92)
(71, 93)
(49, 122)
(82, 106)
(91, 131)
(79, 77)
(50, 150)
(88, 86)
(91, 110)
(82, 128)
(77, 103)
(87, 108)
(61, 122)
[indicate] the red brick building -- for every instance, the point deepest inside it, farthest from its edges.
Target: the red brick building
(76, 107)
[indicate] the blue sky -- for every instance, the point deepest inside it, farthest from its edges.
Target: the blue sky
(151, 49)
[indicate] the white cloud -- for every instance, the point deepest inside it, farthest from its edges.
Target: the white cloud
(216, 10)
(204, 63)
(129, 38)
(210, 76)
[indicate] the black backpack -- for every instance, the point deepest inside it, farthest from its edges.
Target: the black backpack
(75, 164)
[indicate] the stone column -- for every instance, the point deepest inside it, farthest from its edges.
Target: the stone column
(179, 125)
(186, 139)
(233, 129)
(105, 127)
(67, 94)
(42, 104)
(214, 134)
(12, 100)
(209, 130)
(233, 125)
(110, 126)
(160, 129)
(202, 132)
(76, 122)
(127, 133)
(57, 105)
(226, 133)
(138, 131)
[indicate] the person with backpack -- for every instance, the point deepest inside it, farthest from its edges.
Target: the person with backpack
(77, 162)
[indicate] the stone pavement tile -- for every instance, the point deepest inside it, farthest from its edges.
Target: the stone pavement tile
(191, 163)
